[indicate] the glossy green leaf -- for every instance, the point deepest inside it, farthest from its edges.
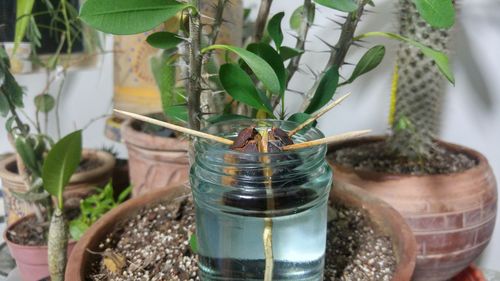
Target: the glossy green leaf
(226, 117)
(439, 58)
(259, 66)
(44, 103)
(164, 40)
(23, 15)
(177, 113)
(287, 53)
(24, 147)
(164, 72)
(325, 91)
(368, 62)
(125, 17)
(274, 29)
(296, 18)
(273, 59)
(300, 118)
(341, 5)
(61, 162)
(240, 86)
(438, 13)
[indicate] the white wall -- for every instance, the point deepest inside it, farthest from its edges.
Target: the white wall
(468, 120)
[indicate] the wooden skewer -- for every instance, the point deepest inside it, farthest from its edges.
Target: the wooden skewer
(175, 127)
(327, 140)
(318, 114)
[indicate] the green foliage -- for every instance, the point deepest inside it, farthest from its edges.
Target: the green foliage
(439, 58)
(274, 29)
(274, 59)
(287, 53)
(164, 72)
(23, 16)
(164, 40)
(193, 243)
(61, 162)
(226, 117)
(341, 5)
(437, 13)
(368, 62)
(297, 17)
(259, 66)
(300, 118)
(240, 86)
(44, 103)
(124, 17)
(325, 91)
(94, 207)
(177, 113)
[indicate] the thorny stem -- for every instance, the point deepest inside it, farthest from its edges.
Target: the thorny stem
(339, 51)
(194, 71)
(260, 22)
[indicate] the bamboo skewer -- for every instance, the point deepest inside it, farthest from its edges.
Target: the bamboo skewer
(327, 140)
(318, 114)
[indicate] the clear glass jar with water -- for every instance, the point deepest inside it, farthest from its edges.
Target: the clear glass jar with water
(237, 200)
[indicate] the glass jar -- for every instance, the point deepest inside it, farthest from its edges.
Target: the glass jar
(238, 204)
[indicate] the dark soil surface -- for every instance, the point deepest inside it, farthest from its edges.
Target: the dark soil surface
(32, 233)
(153, 245)
(373, 157)
(89, 164)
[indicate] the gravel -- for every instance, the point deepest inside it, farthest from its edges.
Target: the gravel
(154, 246)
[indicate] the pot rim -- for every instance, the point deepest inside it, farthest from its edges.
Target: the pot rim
(21, 246)
(482, 162)
(108, 162)
(134, 137)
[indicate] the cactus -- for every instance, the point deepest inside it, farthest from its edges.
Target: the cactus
(419, 88)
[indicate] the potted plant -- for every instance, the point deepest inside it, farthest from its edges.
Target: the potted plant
(446, 192)
(244, 184)
(96, 166)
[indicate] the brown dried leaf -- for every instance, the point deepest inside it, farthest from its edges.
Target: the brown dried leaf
(113, 262)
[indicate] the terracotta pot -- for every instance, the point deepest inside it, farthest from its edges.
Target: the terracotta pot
(452, 216)
(81, 184)
(471, 273)
(32, 261)
(155, 162)
(385, 220)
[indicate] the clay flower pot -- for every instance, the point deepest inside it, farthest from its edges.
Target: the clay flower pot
(384, 219)
(32, 261)
(81, 184)
(471, 273)
(452, 215)
(155, 162)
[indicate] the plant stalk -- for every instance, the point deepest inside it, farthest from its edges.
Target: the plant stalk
(57, 245)
(261, 21)
(194, 71)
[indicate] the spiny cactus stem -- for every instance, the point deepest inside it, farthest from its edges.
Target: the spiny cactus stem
(218, 20)
(260, 22)
(339, 51)
(194, 70)
(306, 23)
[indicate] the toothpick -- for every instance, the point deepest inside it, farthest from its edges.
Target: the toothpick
(175, 127)
(327, 140)
(319, 114)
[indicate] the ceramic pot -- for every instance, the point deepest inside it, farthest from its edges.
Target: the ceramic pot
(155, 162)
(80, 186)
(32, 261)
(384, 219)
(452, 215)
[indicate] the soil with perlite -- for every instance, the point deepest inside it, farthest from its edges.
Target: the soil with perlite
(154, 245)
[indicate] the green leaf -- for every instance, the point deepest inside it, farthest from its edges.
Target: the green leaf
(240, 86)
(77, 228)
(124, 194)
(300, 118)
(193, 243)
(25, 149)
(164, 40)
(325, 91)
(368, 62)
(259, 66)
(61, 162)
(341, 5)
(44, 103)
(274, 29)
(4, 105)
(296, 18)
(177, 113)
(23, 15)
(437, 13)
(273, 59)
(439, 58)
(287, 53)
(123, 17)
(226, 117)
(164, 72)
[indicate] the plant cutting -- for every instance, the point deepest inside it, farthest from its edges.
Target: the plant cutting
(446, 192)
(262, 185)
